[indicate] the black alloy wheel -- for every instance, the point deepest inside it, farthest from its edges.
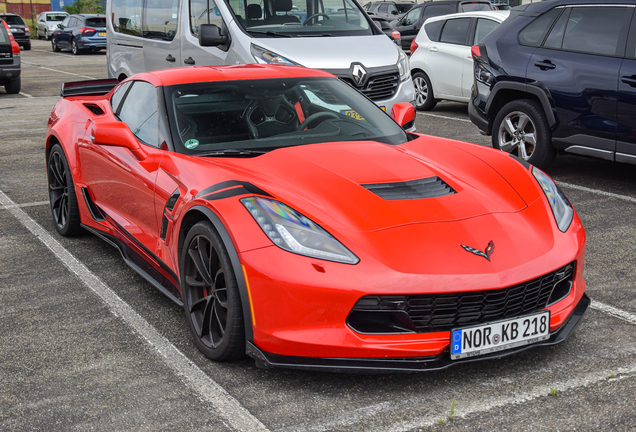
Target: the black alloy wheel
(210, 295)
(62, 196)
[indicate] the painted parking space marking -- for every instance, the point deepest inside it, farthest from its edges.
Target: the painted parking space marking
(615, 312)
(25, 94)
(32, 204)
(444, 117)
(57, 70)
(230, 411)
(598, 192)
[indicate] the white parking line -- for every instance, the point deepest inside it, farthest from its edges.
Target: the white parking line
(25, 94)
(56, 70)
(598, 192)
(615, 312)
(444, 117)
(232, 413)
(32, 204)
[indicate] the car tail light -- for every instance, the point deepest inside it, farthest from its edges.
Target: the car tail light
(87, 30)
(26, 29)
(396, 34)
(15, 48)
(413, 46)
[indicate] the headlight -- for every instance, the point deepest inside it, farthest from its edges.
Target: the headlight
(261, 55)
(403, 66)
(291, 231)
(52, 27)
(561, 207)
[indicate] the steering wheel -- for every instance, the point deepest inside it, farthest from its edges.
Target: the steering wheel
(315, 16)
(322, 116)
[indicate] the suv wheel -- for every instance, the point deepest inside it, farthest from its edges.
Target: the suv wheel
(521, 128)
(424, 99)
(74, 47)
(27, 46)
(13, 87)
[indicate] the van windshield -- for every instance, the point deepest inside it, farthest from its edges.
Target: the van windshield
(262, 115)
(289, 18)
(55, 17)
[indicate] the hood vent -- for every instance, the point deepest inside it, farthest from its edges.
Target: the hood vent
(95, 109)
(431, 187)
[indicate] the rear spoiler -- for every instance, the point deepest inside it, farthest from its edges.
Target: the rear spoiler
(88, 88)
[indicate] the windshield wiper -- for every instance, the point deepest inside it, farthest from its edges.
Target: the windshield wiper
(233, 152)
(270, 33)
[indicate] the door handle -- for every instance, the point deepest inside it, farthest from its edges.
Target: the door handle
(545, 65)
(433, 49)
(189, 61)
(170, 59)
(629, 80)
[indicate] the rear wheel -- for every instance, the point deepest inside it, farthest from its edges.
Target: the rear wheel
(424, 99)
(74, 47)
(64, 207)
(54, 45)
(210, 295)
(14, 86)
(521, 128)
(27, 46)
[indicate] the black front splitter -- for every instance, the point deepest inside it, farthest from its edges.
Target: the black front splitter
(403, 365)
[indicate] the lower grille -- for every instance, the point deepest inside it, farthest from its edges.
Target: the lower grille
(425, 313)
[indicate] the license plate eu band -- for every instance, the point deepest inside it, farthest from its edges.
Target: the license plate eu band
(499, 336)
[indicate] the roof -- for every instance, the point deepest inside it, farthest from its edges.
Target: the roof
(194, 74)
(499, 15)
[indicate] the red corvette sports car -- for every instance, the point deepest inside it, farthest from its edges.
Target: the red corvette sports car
(298, 223)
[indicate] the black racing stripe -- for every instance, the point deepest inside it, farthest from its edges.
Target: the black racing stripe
(245, 188)
(521, 161)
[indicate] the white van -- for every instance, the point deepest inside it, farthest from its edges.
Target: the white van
(332, 35)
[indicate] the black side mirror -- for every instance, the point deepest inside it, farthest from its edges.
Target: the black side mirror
(60, 26)
(210, 35)
(394, 12)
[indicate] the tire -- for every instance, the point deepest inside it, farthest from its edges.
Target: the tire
(74, 48)
(62, 197)
(424, 99)
(13, 87)
(521, 128)
(54, 45)
(27, 47)
(211, 299)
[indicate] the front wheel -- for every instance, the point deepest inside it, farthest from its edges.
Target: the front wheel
(62, 196)
(424, 98)
(520, 128)
(54, 45)
(210, 295)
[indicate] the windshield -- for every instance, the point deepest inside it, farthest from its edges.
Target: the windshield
(55, 17)
(404, 7)
(13, 20)
(276, 18)
(273, 113)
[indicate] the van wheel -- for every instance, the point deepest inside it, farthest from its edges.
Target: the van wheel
(13, 87)
(521, 128)
(424, 99)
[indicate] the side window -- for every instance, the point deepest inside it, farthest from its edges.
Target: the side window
(139, 112)
(126, 16)
(118, 95)
(205, 12)
(455, 31)
(65, 22)
(391, 9)
(432, 29)
(160, 19)
(534, 33)
(597, 30)
(437, 10)
(383, 9)
(484, 26)
(412, 17)
(555, 38)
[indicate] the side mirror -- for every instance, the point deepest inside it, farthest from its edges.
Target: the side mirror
(404, 114)
(117, 134)
(394, 12)
(210, 35)
(60, 26)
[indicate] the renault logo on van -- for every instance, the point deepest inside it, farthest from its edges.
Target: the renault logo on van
(359, 74)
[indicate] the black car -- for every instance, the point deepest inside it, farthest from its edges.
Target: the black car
(387, 29)
(21, 32)
(411, 23)
(80, 32)
(9, 60)
(389, 10)
(559, 77)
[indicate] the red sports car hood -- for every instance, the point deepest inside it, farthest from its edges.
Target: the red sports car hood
(330, 182)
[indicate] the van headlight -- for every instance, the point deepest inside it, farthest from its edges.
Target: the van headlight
(403, 66)
(262, 55)
(561, 206)
(293, 232)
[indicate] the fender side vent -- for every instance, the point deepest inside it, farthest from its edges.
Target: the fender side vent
(95, 109)
(97, 213)
(430, 187)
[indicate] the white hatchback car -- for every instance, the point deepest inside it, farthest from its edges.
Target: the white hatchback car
(441, 62)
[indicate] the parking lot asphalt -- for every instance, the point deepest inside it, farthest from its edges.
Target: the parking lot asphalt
(87, 344)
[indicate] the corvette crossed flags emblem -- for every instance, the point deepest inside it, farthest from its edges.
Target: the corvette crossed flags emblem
(486, 254)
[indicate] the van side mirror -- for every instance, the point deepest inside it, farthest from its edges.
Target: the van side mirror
(117, 133)
(404, 114)
(210, 35)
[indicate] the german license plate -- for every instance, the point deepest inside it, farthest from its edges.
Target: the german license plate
(499, 336)
(102, 34)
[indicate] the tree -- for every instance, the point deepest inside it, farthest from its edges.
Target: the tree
(85, 6)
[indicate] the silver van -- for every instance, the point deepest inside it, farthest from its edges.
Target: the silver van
(332, 35)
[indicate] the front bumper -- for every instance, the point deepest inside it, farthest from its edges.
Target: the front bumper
(404, 365)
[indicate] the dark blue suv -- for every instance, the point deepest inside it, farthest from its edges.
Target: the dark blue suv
(81, 32)
(559, 76)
